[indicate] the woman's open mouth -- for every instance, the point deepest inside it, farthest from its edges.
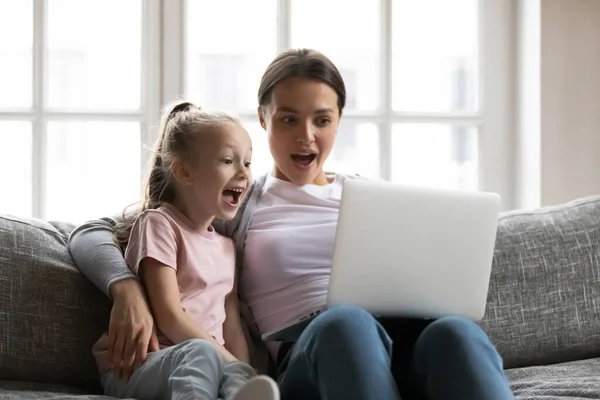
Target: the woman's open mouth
(304, 161)
(232, 196)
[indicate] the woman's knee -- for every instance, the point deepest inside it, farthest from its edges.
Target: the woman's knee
(454, 334)
(348, 324)
(454, 341)
(452, 330)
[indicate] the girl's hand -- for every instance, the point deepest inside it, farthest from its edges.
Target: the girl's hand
(131, 330)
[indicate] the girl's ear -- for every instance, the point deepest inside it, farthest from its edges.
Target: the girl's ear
(180, 172)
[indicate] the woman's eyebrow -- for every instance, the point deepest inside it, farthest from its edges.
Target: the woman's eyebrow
(324, 111)
(286, 109)
(291, 110)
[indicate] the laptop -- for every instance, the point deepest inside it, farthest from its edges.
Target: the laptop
(412, 252)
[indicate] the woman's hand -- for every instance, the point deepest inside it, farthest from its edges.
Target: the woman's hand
(131, 330)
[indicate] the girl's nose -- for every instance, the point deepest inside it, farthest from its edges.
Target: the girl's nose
(243, 172)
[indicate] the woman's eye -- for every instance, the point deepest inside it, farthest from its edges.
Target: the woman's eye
(287, 120)
(323, 122)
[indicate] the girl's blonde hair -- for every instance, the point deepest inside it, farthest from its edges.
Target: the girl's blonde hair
(181, 124)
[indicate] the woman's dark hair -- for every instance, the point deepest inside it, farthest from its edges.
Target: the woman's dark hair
(301, 63)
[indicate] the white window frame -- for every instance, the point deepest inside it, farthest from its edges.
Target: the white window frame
(493, 120)
(162, 78)
(39, 114)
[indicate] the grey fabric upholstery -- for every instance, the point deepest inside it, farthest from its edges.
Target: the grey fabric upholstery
(544, 296)
(575, 380)
(543, 307)
(49, 313)
(31, 390)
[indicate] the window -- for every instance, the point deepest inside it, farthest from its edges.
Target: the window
(82, 83)
(412, 76)
(72, 108)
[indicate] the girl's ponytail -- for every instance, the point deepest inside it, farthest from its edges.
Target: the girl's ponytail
(159, 188)
(181, 124)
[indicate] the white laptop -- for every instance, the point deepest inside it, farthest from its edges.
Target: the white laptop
(409, 252)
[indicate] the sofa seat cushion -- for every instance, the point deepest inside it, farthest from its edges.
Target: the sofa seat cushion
(573, 380)
(31, 390)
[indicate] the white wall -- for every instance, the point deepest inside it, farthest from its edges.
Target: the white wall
(570, 92)
(557, 142)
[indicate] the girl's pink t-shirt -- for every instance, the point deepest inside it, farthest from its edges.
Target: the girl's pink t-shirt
(204, 261)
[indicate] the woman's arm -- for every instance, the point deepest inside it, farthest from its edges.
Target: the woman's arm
(161, 285)
(233, 332)
(131, 328)
(96, 254)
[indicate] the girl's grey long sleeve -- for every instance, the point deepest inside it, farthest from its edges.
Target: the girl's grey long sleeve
(97, 256)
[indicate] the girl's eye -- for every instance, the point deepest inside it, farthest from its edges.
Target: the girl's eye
(248, 164)
(227, 161)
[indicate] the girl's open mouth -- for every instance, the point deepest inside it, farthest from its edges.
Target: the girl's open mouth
(303, 160)
(232, 196)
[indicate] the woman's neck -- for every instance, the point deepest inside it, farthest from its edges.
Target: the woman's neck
(320, 180)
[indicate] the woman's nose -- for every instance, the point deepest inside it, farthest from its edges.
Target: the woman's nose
(306, 134)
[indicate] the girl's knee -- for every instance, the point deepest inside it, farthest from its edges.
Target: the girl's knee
(199, 348)
(196, 345)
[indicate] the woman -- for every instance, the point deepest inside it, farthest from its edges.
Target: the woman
(284, 237)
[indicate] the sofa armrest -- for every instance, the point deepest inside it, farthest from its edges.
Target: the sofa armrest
(50, 315)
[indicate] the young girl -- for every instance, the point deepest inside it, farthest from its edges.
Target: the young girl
(200, 170)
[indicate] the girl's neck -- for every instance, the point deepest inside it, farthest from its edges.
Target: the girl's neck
(190, 209)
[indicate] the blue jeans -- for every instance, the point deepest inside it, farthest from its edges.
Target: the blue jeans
(346, 353)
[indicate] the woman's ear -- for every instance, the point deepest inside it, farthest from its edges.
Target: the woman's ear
(180, 172)
(261, 117)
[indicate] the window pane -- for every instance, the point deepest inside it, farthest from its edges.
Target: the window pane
(348, 33)
(227, 52)
(94, 54)
(435, 55)
(262, 161)
(15, 168)
(93, 169)
(435, 155)
(16, 42)
(356, 150)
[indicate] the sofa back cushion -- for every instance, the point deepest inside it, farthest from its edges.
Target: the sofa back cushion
(544, 298)
(50, 315)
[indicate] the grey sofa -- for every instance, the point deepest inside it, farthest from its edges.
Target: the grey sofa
(543, 309)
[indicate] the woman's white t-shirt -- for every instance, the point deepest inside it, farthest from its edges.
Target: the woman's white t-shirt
(288, 250)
